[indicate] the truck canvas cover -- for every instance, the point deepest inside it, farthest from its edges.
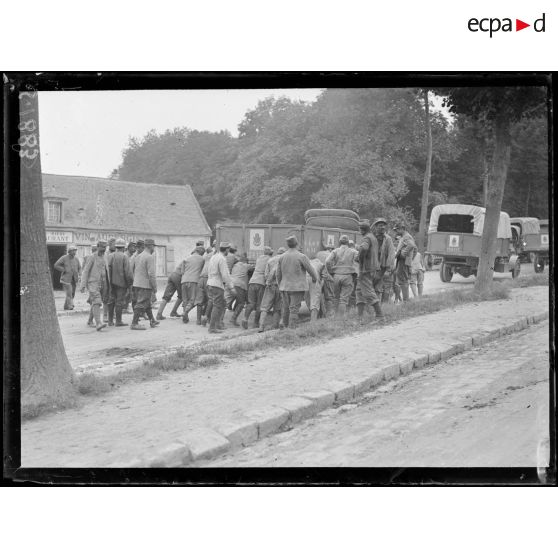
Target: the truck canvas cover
(529, 225)
(477, 215)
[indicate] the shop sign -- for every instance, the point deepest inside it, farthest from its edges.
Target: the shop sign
(59, 237)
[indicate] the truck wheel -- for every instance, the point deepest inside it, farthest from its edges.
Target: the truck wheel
(445, 273)
(538, 265)
(516, 270)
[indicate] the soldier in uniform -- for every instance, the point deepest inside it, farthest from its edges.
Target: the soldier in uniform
(323, 255)
(202, 297)
(70, 270)
(386, 257)
(256, 288)
(191, 272)
(129, 253)
(341, 266)
(314, 295)
(121, 279)
(218, 277)
(231, 259)
(145, 284)
(369, 265)
(140, 246)
(352, 298)
(291, 277)
(173, 286)
(95, 279)
(271, 301)
(404, 254)
(240, 276)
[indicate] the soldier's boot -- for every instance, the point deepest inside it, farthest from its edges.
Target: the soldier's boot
(385, 297)
(247, 312)
(397, 291)
(105, 312)
(257, 319)
(152, 321)
(360, 311)
(276, 320)
(329, 309)
(413, 289)
(90, 322)
(420, 289)
(199, 315)
(174, 312)
(405, 292)
(314, 315)
(235, 315)
(111, 314)
(293, 320)
(99, 325)
(263, 316)
(213, 322)
(135, 321)
(342, 311)
(378, 310)
(285, 318)
(119, 322)
(185, 312)
(160, 311)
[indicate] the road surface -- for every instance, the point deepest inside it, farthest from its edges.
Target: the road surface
(85, 345)
(465, 412)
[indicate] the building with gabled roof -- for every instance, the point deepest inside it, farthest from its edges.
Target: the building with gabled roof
(82, 210)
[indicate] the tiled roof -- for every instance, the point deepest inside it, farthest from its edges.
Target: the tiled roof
(102, 203)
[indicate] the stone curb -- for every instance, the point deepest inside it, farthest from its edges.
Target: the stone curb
(204, 444)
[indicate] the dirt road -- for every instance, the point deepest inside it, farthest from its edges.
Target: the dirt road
(465, 412)
(84, 345)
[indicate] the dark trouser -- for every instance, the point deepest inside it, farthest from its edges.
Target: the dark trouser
(255, 295)
(201, 293)
(342, 288)
(118, 295)
(271, 302)
(403, 273)
(329, 295)
(217, 301)
(70, 291)
(352, 298)
(241, 296)
(170, 289)
(143, 304)
(291, 307)
(134, 297)
(379, 284)
(189, 294)
(365, 292)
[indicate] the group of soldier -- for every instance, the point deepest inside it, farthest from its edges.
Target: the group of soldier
(217, 278)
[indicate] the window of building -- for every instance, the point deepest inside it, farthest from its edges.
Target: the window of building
(54, 212)
(160, 260)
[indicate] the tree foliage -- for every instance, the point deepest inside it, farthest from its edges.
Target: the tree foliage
(359, 149)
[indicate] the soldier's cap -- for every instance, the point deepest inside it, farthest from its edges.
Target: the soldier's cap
(131, 243)
(149, 242)
(379, 220)
(225, 244)
(120, 243)
(364, 223)
(292, 240)
(72, 247)
(112, 239)
(200, 242)
(232, 247)
(268, 250)
(102, 244)
(343, 239)
(140, 242)
(281, 250)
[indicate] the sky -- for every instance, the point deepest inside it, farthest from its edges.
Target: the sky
(84, 132)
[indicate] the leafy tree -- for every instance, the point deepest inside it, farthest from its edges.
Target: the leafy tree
(498, 108)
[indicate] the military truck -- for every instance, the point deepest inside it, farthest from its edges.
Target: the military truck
(455, 234)
(322, 227)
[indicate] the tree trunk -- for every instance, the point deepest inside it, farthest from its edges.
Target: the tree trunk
(426, 181)
(47, 379)
(485, 179)
(527, 200)
(495, 193)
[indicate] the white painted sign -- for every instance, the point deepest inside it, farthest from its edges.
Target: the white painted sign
(544, 239)
(59, 237)
(256, 239)
(330, 240)
(453, 241)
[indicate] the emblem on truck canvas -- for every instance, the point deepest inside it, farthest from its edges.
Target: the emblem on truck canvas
(256, 239)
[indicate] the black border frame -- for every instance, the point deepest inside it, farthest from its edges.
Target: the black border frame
(15, 82)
